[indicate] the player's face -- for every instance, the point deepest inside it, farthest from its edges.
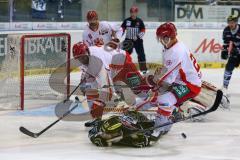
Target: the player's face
(232, 25)
(133, 14)
(165, 41)
(93, 23)
(84, 59)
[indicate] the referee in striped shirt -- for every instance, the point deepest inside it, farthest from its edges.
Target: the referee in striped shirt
(135, 30)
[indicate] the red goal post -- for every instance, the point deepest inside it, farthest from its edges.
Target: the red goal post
(27, 66)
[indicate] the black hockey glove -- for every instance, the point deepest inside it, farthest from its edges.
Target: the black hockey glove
(224, 54)
(138, 140)
(234, 52)
(99, 141)
(96, 138)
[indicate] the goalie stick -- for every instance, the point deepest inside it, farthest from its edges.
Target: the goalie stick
(212, 109)
(35, 135)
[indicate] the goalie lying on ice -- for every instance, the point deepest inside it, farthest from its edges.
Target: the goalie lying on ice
(123, 130)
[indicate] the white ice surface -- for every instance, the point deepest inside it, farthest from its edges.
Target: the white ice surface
(218, 138)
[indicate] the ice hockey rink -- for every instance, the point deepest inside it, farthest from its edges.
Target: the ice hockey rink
(217, 138)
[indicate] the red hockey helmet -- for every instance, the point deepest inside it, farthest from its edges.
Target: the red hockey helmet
(92, 14)
(133, 9)
(167, 29)
(79, 49)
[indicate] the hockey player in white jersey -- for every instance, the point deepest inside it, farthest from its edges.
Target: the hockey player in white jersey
(99, 32)
(96, 62)
(180, 75)
(94, 76)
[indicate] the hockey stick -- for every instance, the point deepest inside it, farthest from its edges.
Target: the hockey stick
(73, 92)
(116, 85)
(35, 135)
(212, 109)
(230, 47)
(121, 110)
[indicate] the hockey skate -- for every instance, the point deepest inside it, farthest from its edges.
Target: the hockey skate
(225, 103)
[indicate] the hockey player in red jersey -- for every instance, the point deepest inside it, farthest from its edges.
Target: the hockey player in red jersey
(99, 32)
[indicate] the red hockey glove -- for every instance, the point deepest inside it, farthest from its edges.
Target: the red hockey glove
(97, 109)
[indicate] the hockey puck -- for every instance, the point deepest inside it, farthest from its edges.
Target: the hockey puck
(184, 135)
(76, 98)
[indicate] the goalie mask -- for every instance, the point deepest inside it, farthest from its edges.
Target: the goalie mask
(112, 125)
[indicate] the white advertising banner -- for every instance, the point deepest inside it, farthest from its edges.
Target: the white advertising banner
(71, 25)
(4, 26)
(44, 25)
(204, 44)
(204, 13)
(28, 26)
(21, 26)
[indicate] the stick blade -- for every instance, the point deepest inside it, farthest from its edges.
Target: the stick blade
(27, 132)
(217, 101)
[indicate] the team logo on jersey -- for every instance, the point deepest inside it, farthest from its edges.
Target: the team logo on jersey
(128, 23)
(168, 62)
(137, 24)
(90, 36)
(103, 31)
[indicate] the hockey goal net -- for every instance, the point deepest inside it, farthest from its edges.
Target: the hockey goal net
(26, 68)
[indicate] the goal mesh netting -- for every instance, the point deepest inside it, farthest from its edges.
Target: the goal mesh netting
(27, 66)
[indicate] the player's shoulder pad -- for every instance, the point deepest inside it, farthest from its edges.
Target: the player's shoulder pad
(105, 23)
(86, 27)
(139, 19)
(179, 47)
(179, 50)
(95, 49)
